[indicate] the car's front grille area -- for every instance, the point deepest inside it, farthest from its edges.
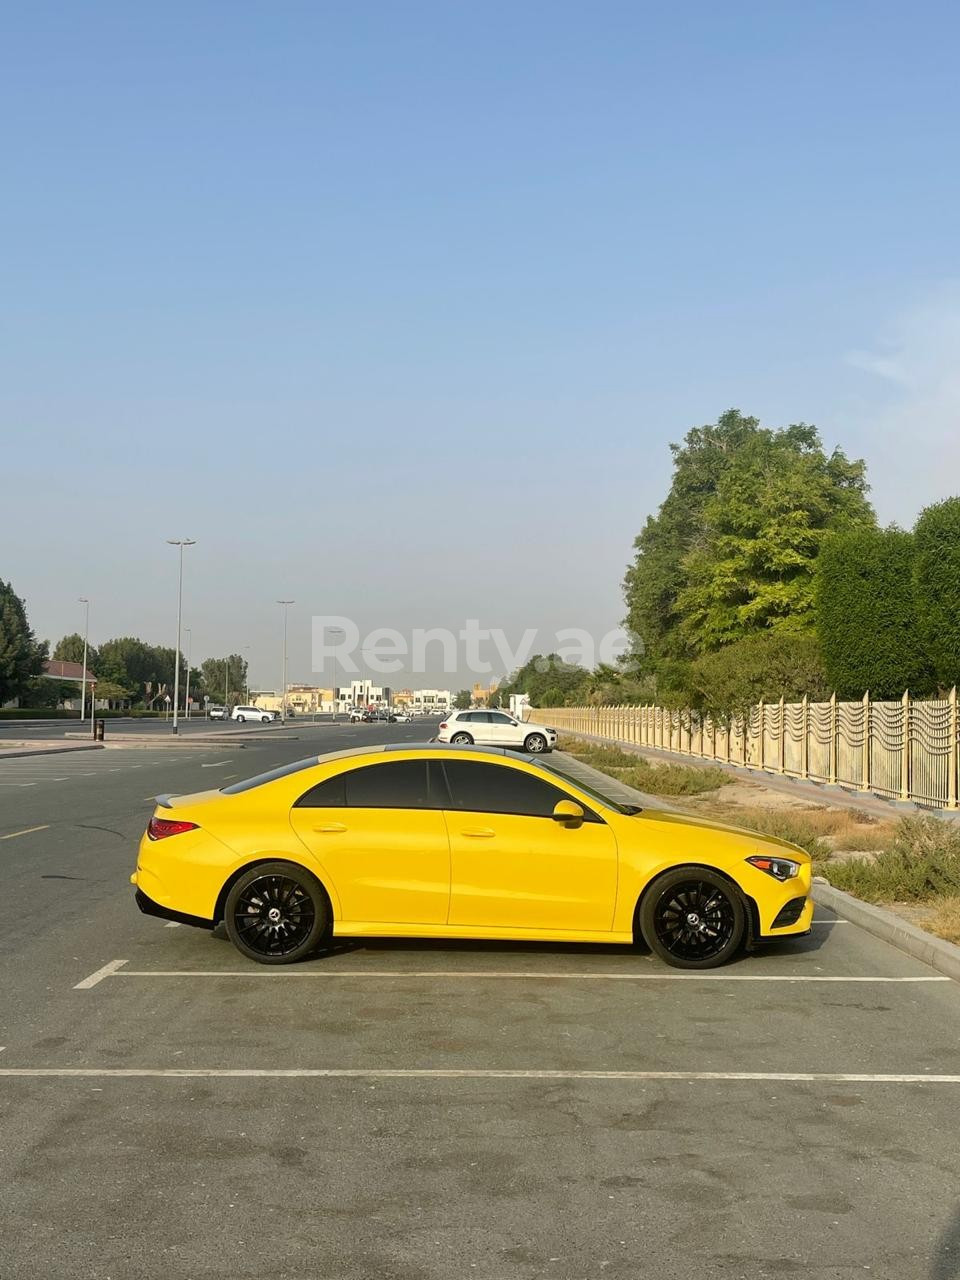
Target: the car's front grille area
(790, 913)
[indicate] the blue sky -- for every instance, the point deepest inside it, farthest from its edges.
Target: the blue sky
(395, 308)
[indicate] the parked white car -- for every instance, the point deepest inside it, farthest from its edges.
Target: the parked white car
(402, 717)
(496, 729)
(216, 713)
(251, 713)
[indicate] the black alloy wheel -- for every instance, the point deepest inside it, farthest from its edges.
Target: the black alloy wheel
(276, 913)
(693, 918)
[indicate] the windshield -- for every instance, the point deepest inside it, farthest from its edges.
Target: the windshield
(590, 790)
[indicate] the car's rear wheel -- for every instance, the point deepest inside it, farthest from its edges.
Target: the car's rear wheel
(241, 719)
(534, 743)
(692, 918)
(276, 913)
(461, 740)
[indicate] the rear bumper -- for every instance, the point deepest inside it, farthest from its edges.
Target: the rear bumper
(151, 908)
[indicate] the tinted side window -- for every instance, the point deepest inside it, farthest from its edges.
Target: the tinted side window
(400, 785)
(496, 717)
(329, 794)
(492, 788)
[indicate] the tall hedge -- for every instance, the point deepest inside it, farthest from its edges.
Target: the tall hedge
(867, 615)
(936, 573)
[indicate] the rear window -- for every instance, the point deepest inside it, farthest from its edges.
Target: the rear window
(261, 779)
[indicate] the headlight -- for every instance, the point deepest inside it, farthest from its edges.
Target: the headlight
(779, 868)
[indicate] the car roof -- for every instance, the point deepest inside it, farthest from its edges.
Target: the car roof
(440, 748)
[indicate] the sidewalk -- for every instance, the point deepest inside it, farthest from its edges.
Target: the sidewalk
(11, 749)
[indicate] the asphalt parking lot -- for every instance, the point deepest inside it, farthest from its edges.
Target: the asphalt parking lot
(428, 1111)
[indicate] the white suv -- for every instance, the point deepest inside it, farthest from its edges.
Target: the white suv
(496, 729)
(251, 713)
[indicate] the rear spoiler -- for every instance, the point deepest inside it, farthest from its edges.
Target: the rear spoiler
(164, 802)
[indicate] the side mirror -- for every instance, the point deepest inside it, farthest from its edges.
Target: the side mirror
(568, 813)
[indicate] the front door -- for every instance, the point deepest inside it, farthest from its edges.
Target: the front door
(381, 844)
(512, 865)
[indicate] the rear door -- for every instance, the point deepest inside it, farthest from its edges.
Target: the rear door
(512, 865)
(381, 839)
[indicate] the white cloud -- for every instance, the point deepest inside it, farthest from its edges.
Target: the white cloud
(911, 428)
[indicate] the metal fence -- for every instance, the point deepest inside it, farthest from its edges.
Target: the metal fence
(905, 750)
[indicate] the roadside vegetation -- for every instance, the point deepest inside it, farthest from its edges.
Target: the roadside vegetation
(636, 771)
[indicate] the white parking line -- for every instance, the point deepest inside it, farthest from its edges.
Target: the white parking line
(217, 764)
(523, 976)
(107, 971)
(26, 831)
(466, 1073)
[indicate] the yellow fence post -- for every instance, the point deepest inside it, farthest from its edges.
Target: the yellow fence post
(804, 737)
(834, 743)
(905, 745)
(761, 731)
(865, 758)
(952, 757)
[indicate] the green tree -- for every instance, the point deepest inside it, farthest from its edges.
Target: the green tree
(41, 691)
(463, 700)
(936, 575)
(549, 682)
(224, 675)
(767, 666)
(70, 649)
(867, 616)
(21, 654)
(733, 546)
(753, 569)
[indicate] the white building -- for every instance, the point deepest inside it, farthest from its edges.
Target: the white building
(364, 693)
(432, 700)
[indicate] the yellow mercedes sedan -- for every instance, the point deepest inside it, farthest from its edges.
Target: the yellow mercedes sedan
(435, 841)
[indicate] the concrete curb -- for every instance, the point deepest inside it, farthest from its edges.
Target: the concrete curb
(50, 751)
(936, 952)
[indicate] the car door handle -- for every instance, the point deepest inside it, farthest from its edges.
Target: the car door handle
(331, 827)
(478, 831)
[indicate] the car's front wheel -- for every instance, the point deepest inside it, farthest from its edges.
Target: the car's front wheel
(534, 743)
(692, 918)
(276, 913)
(461, 740)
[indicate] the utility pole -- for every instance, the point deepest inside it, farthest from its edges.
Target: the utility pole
(186, 700)
(283, 702)
(181, 543)
(83, 683)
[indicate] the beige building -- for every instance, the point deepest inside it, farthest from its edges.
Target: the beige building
(302, 699)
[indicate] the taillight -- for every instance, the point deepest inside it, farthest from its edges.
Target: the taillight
(444, 725)
(160, 828)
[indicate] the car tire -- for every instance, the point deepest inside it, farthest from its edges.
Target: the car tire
(461, 740)
(300, 925)
(692, 918)
(535, 744)
(241, 719)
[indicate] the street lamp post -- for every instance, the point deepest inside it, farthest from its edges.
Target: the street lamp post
(283, 701)
(226, 683)
(181, 543)
(335, 631)
(83, 682)
(186, 697)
